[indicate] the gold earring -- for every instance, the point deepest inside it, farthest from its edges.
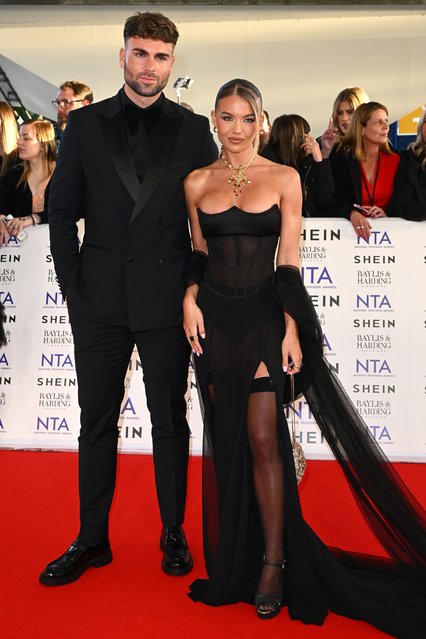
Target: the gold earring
(215, 129)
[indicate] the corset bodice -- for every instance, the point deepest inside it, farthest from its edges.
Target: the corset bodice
(241, 249)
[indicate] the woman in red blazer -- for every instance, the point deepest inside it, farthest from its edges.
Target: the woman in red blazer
(368, 174)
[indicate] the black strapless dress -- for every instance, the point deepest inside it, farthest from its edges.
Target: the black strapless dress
(242, 298)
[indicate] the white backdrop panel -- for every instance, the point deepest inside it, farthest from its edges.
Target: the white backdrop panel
(369, 297)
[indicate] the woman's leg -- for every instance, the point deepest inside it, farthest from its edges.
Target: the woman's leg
(268, 477)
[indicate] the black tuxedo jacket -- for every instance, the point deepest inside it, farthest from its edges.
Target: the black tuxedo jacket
(347, 177)
(129, 270)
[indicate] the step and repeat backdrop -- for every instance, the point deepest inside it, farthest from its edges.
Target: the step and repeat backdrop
(370, 298)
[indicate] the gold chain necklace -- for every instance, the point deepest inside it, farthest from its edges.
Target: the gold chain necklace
(238, 180)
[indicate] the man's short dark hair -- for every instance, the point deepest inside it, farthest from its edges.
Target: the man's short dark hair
(80, 90)
(151, 26)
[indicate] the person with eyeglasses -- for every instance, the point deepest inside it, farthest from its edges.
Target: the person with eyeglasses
(72, 95)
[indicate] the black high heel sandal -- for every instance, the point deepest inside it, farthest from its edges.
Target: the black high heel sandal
(273, 601)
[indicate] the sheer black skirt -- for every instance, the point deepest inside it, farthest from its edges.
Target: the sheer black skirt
(242, 332)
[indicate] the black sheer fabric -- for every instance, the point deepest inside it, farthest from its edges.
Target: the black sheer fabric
(3, 340)
(243, 300)
(195, 269)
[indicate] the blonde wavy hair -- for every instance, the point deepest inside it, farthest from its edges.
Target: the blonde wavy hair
(45, 134)
(353, 142)
(354, 96)
(418, 147)
(8, 137)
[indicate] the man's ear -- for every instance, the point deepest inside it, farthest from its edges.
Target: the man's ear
(122, 55)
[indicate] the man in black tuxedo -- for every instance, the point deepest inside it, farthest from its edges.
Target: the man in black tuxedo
(121, 166)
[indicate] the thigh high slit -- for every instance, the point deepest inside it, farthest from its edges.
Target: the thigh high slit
(244, 328)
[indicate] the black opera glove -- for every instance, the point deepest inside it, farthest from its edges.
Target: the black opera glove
(289, 286)
(292, 296)
(195, 268)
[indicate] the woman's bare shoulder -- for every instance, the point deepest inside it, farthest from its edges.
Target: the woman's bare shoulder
(199, 176)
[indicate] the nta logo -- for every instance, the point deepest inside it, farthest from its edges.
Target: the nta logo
(377, 238)
(372, 366)
(6, 298)
(316, 275)
(52, 424)
(54, 299)
(56, 360)
(373, 300)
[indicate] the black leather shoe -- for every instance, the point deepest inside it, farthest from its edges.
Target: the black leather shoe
(71, 565)
(177, 559)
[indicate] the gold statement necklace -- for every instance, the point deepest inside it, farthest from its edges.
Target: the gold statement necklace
(238, 180)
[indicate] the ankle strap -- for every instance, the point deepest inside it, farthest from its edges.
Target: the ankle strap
(274, 563)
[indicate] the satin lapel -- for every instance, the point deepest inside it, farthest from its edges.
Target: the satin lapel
(162, 147)
(120, 153)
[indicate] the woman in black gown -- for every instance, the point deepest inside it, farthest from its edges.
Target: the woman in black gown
(250, 326)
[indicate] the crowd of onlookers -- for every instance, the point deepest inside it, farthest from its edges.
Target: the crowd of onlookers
(28, 159)
(350, 171)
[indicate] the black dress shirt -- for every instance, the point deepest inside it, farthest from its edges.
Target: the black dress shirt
(141, 125)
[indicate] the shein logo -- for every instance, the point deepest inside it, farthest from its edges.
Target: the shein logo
(373, 300)
(372, 366)
(316, 275)
(56, 360)
(377, 238)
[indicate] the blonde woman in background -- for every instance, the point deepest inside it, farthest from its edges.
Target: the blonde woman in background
(412, 200)
(24, 190)
(8, 139)
(416, 151)
(344, 106)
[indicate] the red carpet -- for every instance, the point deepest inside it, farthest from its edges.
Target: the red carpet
(132, 598)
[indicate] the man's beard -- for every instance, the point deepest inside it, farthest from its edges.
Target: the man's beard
(141, 89)
(62, 121)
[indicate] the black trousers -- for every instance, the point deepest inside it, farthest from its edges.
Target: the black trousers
(102, 354)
